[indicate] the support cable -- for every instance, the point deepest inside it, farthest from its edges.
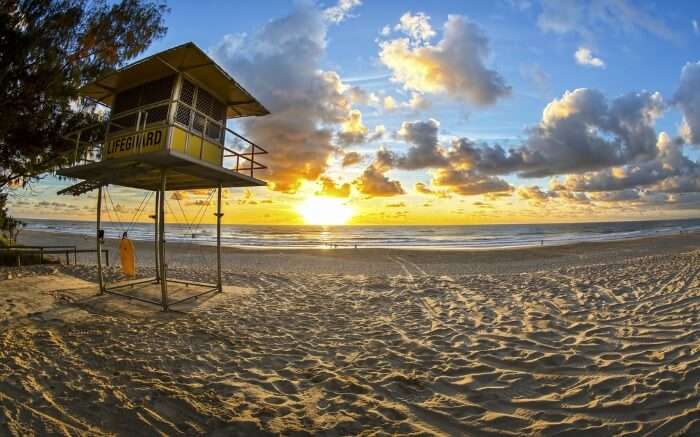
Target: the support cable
(196, 221)
(139, 210)
(116, 212)
(106, 208)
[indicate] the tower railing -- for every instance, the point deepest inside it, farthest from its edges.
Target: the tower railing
(246, 157)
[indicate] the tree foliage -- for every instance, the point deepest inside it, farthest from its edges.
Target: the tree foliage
(9, 227)
(48, 49)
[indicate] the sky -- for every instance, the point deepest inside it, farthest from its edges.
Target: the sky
(445, 112)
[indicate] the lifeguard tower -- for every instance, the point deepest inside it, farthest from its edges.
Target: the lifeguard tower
(167, 131)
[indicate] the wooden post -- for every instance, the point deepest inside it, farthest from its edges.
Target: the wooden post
(41, 255)
(156, 219)
(99, 241)
(218, 240)
(161, 241)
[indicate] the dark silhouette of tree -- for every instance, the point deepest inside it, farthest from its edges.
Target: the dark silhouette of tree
(48, 49)
(9, 227)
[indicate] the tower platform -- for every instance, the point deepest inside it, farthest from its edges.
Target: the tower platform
(143, 171)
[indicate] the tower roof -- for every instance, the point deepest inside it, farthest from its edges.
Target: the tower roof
(187, 59)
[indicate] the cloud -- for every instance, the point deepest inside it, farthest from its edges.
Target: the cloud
(560, 16)
(579, 132)
(582, 130)
(600, 144)
(389, 103)
(534, 194)
(498, 195)
(330, 188)
(417, 27)
(537, 197)
(584, 56)
(341, 11)
(454, 66)
(696, 27)
(678, 184)
(396, 205)
(670, 164)
(424, 153)
(178, 195)
(360, 96)
(682, 201)
(422, 188)
(118, 208)
(417, 102)
(488, 159)
(537, 76)
(468, 183)
(669, 179)
(199, 202)
(45, 204)
(616, 196)
(687, 98)
(204, 192)
(281, 65)
(374, 183)
(351, 158)
(590, 18)
(353, 131)
(482, 205)
(572, 197)
(522, 5)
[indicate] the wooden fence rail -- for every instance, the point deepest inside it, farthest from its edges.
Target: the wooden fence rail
(19, 251)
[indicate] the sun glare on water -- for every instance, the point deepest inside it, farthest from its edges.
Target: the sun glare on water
(325, 211)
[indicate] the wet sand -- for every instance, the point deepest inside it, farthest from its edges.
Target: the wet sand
(384, 261)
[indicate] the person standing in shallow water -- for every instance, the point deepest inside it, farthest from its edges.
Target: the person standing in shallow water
(128, 256)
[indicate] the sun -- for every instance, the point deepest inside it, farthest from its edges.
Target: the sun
(325, 211)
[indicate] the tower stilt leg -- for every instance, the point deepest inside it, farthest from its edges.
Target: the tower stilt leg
(99, 240)
(161, 242)
(218, 240)
(156, 220)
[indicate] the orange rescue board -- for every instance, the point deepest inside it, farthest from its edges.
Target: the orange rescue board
(128, 257)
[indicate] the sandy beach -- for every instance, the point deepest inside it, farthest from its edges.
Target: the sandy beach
(592, 339)
(382, 261)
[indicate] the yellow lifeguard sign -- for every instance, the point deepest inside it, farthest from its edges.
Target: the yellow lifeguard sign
(167, 131)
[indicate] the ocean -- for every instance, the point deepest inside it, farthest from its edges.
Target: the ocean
(406, 237)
